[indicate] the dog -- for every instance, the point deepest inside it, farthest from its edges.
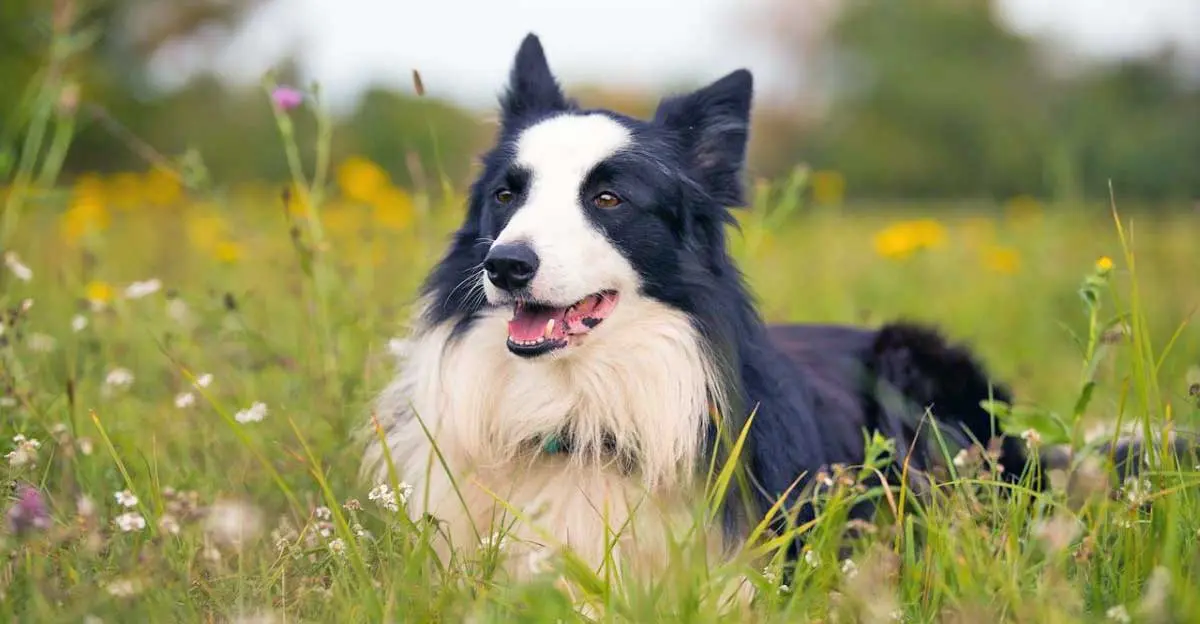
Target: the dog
(586, 350)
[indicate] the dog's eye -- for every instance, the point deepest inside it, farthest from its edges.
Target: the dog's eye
(606, 200)
(504, 196)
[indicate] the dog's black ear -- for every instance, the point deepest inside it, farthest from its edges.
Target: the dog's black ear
(532, 88)
(713, 126)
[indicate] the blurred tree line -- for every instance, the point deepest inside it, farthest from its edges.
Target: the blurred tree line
(925, 98)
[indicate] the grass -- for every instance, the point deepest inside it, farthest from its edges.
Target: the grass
(246, 512)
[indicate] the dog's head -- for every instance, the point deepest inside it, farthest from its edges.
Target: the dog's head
(577, 211)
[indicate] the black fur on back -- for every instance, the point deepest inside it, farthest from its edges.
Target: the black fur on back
(815, 390)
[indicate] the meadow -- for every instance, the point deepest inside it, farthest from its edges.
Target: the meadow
(184, 373)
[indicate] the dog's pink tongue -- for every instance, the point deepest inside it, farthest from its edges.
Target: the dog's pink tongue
(530, 323)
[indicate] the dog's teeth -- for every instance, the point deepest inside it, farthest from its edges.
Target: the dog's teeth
(549, 328)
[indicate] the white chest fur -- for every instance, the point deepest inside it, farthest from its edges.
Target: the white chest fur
(642, 378)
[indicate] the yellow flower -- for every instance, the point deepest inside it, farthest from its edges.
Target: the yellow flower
(86, 214)
(1104, 265)
(393, 208)
(99, 293)
(828, 187)
(901, 240)
(342, 220)
(205, 231)
(1003, 260)
(227, 251)
(1023, 209)
(360, 179)
(161, 187)
(125, 190)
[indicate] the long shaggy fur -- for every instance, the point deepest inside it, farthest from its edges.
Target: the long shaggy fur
(639, 402)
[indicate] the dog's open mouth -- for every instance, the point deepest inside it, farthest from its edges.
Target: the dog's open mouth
(536, 329)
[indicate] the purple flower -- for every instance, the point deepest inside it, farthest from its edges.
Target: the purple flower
(287, 98)
(29, 513)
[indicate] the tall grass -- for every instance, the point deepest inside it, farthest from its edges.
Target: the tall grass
(148, 391)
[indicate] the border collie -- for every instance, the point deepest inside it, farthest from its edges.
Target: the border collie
(580, 347)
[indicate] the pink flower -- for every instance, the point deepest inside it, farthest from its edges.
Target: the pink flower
(29, 513)
(287, 98)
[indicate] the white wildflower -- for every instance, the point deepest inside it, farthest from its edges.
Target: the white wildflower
(323, 513)
(1118, 614)
(1032, 438)
(8, 402)
(204, 380)
(178, 311)
(1138, 490)
(255, 413)
(168, 524)
(85, 446)
(25, 451)
(390, 499)
(125, 498)
(119, 378)
(84, 506)
(130, 521)
(137, 290)
(17, 267)
(358, 530)
(961, 458)
(41, 343)
(812, 558)
(337, 546)
(495, 540)
(233, 523)
(849, 568)
(124, 588)
(184, 400)
(79, 323)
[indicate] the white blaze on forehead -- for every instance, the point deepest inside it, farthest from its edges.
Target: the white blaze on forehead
(563, 149)
(575, 259)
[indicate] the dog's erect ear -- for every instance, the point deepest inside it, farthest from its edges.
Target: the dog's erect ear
(532, 89)
(713, 125)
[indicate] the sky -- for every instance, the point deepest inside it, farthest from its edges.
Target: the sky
(463, 48)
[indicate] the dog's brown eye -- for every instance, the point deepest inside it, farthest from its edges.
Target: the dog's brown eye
(504, 196)
(606, 200)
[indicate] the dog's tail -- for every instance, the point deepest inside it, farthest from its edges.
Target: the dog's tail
(915, 369)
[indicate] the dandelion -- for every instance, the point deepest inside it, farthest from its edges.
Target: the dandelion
(900, 240)
(29, 513)
(14, 264)
(130, 521)
(25, 451)
(79, 323)
(184, 400)
(41, 343)
(203, 381)
(255, 413)
(286, 98)
(125, 498)
(137, 290)
(1002, 260)
(1104, 266)
(337, 546)
(1118, 614)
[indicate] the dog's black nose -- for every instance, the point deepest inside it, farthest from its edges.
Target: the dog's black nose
(511, 266)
